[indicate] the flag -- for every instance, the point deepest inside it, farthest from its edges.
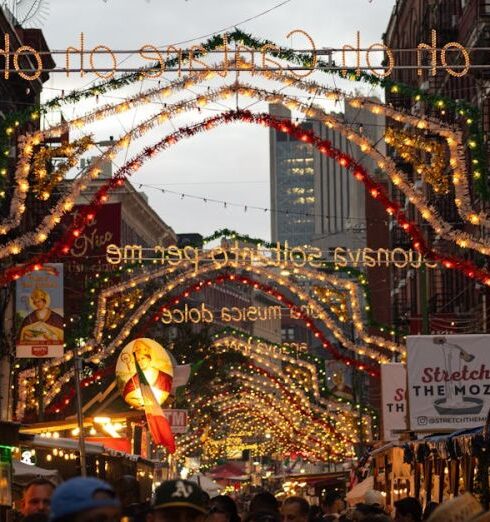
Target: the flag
(160, 430)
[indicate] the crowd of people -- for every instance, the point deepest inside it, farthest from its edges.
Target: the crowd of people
(93, 500)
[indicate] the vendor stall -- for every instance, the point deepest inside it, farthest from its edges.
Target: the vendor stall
(435, 468)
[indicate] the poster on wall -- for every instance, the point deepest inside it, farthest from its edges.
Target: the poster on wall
(393, 399)
(448, 381)
(39, 313)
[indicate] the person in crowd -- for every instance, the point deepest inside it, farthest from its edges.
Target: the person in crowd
(36, 517)
(376, 518)
(332, 505)
(429, 509)
(264, 507)
(179, 501)
(84, 499)
(374, 498)
(128, 491)
(263, 516)
(295, 509)
(315, 514)
(223, 509)
(463, 507)
(408, 509)
(36, 497)
(365, 511)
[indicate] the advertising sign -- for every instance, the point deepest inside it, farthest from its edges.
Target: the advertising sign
(39, 313)
(393, 399)
(448, 381)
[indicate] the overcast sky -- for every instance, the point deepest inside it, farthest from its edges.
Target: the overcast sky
(230, 163)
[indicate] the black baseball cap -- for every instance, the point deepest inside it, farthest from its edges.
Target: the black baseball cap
(180, 493)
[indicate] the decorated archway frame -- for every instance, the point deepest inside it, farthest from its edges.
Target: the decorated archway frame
(350, 287)
(262, 352)
(468, 113)
(399, 179)
(272, 382)
(194, 442)
(249, 414)
(393, 208)
(189, 275)
(356, 275)
(304, 430)
(323, 423)
(189, 278)
(270, 359)
(264, 346)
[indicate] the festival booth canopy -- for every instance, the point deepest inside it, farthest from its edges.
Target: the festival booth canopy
(357, 493)
(24, 473)
(229, 471)
(207, 484)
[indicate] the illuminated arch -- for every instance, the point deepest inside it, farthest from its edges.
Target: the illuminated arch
(462, 239)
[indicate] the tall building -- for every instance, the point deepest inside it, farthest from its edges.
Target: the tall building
(126, 219)
(293, 164)
(446, 299)
(313, 199)
(340, 199)
(17, 95)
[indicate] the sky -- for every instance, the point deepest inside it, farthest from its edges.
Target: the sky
(229, 163)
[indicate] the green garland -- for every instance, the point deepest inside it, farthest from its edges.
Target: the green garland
(438, 102)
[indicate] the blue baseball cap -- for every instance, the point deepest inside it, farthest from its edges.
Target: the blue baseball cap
(77, 495)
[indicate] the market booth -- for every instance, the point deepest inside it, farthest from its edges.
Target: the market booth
(435, 468)
(62, 454)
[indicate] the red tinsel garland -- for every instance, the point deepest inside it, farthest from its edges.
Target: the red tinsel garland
(375, 189)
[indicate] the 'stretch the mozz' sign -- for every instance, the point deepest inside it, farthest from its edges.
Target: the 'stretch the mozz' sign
(448, 381)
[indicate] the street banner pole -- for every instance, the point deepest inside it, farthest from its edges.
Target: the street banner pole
(81, 435)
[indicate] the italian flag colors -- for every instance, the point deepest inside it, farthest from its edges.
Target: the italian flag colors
(160, 430)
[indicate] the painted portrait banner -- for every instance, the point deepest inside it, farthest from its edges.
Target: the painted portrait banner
(155, 365)
(39, 313)
(448, 381)
(393, 399)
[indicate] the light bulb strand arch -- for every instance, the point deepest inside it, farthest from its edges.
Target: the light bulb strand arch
(392, 208)
(398, 178)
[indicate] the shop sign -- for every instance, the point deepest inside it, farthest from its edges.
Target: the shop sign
(393, 399)
(448, 381)
(177, 420)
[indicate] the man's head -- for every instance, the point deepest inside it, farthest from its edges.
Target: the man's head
(333, 503)
(84, 499)
(36, 497)
(128, 490)
(374, 498)
(222, 508)
(178, 501)
(264, 501)
(143, 354)
(408, 509)
(295, 509)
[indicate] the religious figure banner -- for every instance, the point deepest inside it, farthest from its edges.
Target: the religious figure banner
(39, 313)
(156, 366)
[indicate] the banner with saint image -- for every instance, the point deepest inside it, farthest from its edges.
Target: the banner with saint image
(39, 313)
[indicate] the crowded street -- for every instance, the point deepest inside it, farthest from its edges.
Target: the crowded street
(244, 260)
